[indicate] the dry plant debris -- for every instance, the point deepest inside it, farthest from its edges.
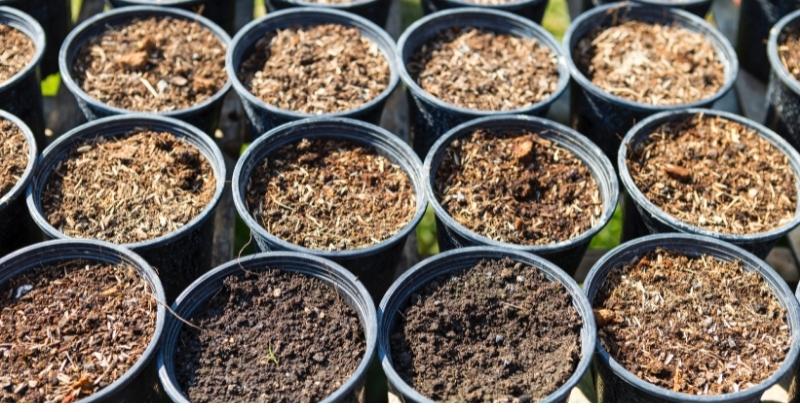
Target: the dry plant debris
(789, 51)
(154, 64)
(16, 52)
(331, 194)
(500, 331)
(69, 329)
(325, 68)
(716, 174)
(13, 156)
(517, 187)
(696, 325)
(128, 189)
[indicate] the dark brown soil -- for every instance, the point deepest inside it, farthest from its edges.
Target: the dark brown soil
(789, 51)
(270, 337)
(16, 52)
(128, 189)
(325, 68)
(70, 329)
(696, 325)
(13, 156)
(155, 64)
(517, 187)
(498, 332)
(716, 174)
(483, 70)
(651, 63)
(331, 194)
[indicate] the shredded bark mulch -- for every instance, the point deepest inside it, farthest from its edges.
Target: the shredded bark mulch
(483, 70)
(498, 332)
(154, 64)
(68, 330)
(789, 51)
(331, 194)
(716, 174)
(16, 52)
(517, 187)
(325, 68)
(272, 336)
(128, 189)
(650, 63)
(13, 156)
(696, 325)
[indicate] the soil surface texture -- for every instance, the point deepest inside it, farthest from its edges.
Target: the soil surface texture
(128, 189)
(16, 52)
(498, 332)
(483, 70)
(789, 51)
(331, 194)
(716, 174)
(72, 328)
(270, 337)
(13, 156)
(154, 64)
(696, 325)
(326, 68)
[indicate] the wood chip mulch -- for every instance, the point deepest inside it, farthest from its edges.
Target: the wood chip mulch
(16, 51)
(789, 51)
(13, 156)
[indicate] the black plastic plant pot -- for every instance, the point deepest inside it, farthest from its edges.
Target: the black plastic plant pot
(139, 383)
(456, 261)
(16, 227)
(55, 16)
(783, 94)
(566, 254)
(180, 256)
(376, 11)
(221, 12)
(794, 389)
(264, 116)
(698, 7)
(658, 221)
(616, 384)
(606, 118)
(204, 115)
(756, 19)
(196, 296)
(430, 116)
(530, 9)
(375, 265)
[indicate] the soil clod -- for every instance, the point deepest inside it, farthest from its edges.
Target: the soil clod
(16, 52)
(13, 156)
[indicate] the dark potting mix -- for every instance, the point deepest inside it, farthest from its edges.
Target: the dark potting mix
(324, 68)
(500, 331)
(69, 329)
(483, 70)
(269, 336)
(153, 64)
(13, 156)
(789, 50)
(129, 188)
(716, 174)
(16, 52)
(517, 187)
(331, 194)
(696, 325)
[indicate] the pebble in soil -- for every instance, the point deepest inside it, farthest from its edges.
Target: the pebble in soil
(269, 336)
(13, 156)
(482, 70)
(789, 51)
(129, 188)
(324, 68)
(331, 194)
(716, 174)
(16, 52)
(154, 64)
(517, 187)
(70, 329)
(696, 325)
(500, 331)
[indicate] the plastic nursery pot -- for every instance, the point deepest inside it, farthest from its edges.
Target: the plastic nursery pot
(456, 261)
(698, 7)
(220, 12)
(374, 265)
(794, 389)
(204, 115)
(531, 9)
(139, 383)
(430, 116)
(756, 19)
(616, 384)
(16, 229)
(566, 254)
(604, 117)
(56, 18)
(204, 288)
(376, 11)
(783, 94)
(179, 257)
(658, 221)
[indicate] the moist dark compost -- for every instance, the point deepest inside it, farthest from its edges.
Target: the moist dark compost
(16, 51)
(154, 64)
(716, 174)
(483, 70)
(517, 187)
(68, 330)
(331, 194)
(651, 63)
(269, 337)
(697, 325)
(325, 68)
(498, 332)
(789, 51)
(13, 155)
(128, 189)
